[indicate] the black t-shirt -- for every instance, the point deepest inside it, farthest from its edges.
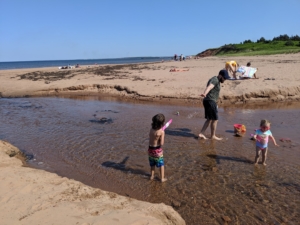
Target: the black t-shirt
(213, 94)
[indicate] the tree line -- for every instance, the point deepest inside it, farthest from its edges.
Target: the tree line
(289, 40)
(284, 37)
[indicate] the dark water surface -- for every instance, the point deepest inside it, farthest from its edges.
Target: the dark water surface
(103, 143)
(51, 63)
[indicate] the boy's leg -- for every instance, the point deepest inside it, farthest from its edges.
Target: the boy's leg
(162, 174)
(206, 124)
(264, 156)
(213, 127)
(152, 172)
(257, 155)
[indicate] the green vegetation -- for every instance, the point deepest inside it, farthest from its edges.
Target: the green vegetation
(279, 45)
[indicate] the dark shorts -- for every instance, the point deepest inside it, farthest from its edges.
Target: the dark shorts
(211, 110)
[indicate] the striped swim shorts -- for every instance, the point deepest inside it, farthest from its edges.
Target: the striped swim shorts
(156, 157)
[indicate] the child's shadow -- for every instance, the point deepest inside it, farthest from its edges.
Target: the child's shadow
(180, 132)
(219, 157)
(122, 167)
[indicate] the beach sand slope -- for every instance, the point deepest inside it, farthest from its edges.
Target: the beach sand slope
(30, 196)
(278, 75)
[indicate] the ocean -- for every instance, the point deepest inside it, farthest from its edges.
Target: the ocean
(58, 63)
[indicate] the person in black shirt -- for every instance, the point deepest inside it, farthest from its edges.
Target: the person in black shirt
(211, 96)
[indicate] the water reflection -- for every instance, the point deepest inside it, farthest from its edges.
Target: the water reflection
(104, 144)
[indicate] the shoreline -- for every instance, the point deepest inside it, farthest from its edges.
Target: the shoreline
(44, 194)
(278, 81)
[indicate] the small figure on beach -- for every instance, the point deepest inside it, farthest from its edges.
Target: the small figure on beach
(249, 65)
(262, 138)
(155, 151)
(178, 70)
(175, 57)
(211, 96)
(231, 67)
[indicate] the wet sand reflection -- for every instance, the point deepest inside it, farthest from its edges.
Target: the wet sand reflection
(104, 144)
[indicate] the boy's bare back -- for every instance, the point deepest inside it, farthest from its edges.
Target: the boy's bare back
(156, 137)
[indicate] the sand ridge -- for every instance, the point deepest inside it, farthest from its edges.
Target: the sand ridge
(278, 80)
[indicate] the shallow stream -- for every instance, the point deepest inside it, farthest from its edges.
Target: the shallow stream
(103, 143)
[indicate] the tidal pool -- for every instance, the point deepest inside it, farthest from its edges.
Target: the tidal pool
(103, 143)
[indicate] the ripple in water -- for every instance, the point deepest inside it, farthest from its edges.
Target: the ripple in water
(104, 144)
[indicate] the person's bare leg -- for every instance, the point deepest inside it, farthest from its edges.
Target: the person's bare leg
(213, 127)
(162, 174)
(257, 155)
(264, 156)
(205, 126)
(152, 172)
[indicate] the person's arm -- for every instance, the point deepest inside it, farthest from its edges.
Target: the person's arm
(207, 90)
(273, 139)
(162, 138)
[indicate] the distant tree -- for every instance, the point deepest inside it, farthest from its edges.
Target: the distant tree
(295, 38)
(262, 39)
(289, 43)
(298, 44)
(284, 37)
(247, 41)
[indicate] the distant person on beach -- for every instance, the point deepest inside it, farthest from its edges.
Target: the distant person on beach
(211, 96)
(231, 67)
(178, 70)
(156, 141)
(175, 57)
(249, 65)
(262, 137)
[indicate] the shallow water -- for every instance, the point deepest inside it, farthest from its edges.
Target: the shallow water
(103, 143)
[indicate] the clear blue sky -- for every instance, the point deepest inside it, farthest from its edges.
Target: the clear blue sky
(95, 29)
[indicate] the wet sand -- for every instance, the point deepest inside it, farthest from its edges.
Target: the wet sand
(208, 180)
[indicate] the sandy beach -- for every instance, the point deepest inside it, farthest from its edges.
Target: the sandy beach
(43, 194)
(278, 80)
(30, 196)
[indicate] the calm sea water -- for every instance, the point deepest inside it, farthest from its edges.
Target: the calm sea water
(103, 143)
(51, 63)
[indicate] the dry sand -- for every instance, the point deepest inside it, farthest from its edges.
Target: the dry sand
(30, 196)
(279, 80)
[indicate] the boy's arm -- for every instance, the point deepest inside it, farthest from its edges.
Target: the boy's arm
(273, 139)
(162, 138)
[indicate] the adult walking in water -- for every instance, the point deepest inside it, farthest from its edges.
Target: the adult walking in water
(232, 66)
(211, 96)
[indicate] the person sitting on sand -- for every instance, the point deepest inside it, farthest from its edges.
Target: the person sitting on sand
(249, 65)
(178, 70)
(231, 67)
(156, 141)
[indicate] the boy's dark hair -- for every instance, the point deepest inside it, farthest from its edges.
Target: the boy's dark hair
(249, 64)
(158, 121)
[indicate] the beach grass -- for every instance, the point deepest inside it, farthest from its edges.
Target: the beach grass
(261, 48)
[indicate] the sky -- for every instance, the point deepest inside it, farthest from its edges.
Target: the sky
(96, 29)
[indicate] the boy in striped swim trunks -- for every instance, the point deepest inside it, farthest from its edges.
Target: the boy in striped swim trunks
(156, 141)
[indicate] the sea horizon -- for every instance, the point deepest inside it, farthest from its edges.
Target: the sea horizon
(53, 63)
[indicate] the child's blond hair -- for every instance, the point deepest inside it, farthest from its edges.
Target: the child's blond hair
(265, 123)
